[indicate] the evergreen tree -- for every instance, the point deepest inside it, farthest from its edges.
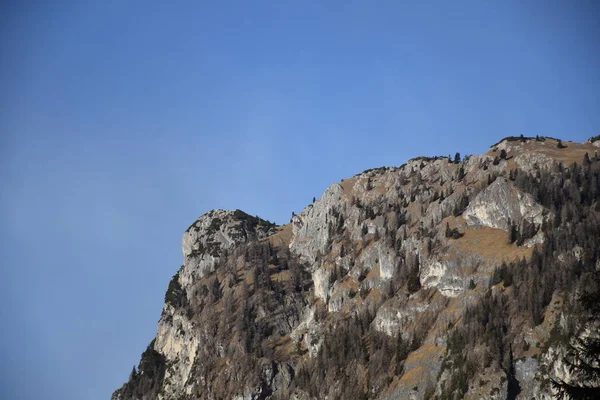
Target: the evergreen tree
(583, 357)
(401, 353)
(513, 234)
(456, 158)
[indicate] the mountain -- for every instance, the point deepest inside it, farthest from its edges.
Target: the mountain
(444, 278)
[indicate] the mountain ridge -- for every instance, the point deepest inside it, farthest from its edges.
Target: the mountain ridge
(385, 262)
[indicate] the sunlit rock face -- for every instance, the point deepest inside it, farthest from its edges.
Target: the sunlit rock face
(311, 227)
(203, 245)
(501, 204)
(410, 250)
(177, 339)
(212, 235)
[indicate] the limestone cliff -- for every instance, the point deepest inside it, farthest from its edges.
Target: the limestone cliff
(370, 291)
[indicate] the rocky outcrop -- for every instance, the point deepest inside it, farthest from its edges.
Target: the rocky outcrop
(212, 235)
(528, 374)
(501, 204)
(204, 243)
(439, 275)
(178, 340)
(311, 228)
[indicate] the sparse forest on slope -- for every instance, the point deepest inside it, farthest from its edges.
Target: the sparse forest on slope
(446, 278)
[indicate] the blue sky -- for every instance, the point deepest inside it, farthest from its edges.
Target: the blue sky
(123, 121)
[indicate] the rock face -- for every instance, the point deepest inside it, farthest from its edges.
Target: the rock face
(500, 204)
(369, 291)
(204, 244)
(213, 234)
(311, 232)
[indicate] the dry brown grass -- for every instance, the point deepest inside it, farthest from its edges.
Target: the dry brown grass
(413, 376)
(286, 348)
(249, 278)
(487, 242)
(348, 186)
(424, 353)
(574, 152)
(427, 354)
(374, 296)
(456, 307)
(282, 276)
(283, 237)
(374, 273)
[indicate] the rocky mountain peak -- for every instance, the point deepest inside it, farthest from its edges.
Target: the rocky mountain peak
(215, 232)
(225, 229)
(378, 282)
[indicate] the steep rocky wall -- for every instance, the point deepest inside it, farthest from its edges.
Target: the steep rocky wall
(501, 204)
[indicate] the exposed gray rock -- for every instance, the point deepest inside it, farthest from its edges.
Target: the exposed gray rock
(500, 204)
(527, 373)
(530, 162)
(311, 227)
(213, 234)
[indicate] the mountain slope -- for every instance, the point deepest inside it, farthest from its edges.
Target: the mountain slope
(443, 278)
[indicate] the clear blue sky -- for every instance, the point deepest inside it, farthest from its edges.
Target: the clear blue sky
(123, 121)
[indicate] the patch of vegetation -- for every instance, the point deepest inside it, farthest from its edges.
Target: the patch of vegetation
(215, 225)
(175, 295)
(485, 324)
(520, 138)
(212, 247)
(378, 170)
(502, 274)
(453, 233)
(583, 350)
(250, 222)
(428, 159)
(146, 382)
